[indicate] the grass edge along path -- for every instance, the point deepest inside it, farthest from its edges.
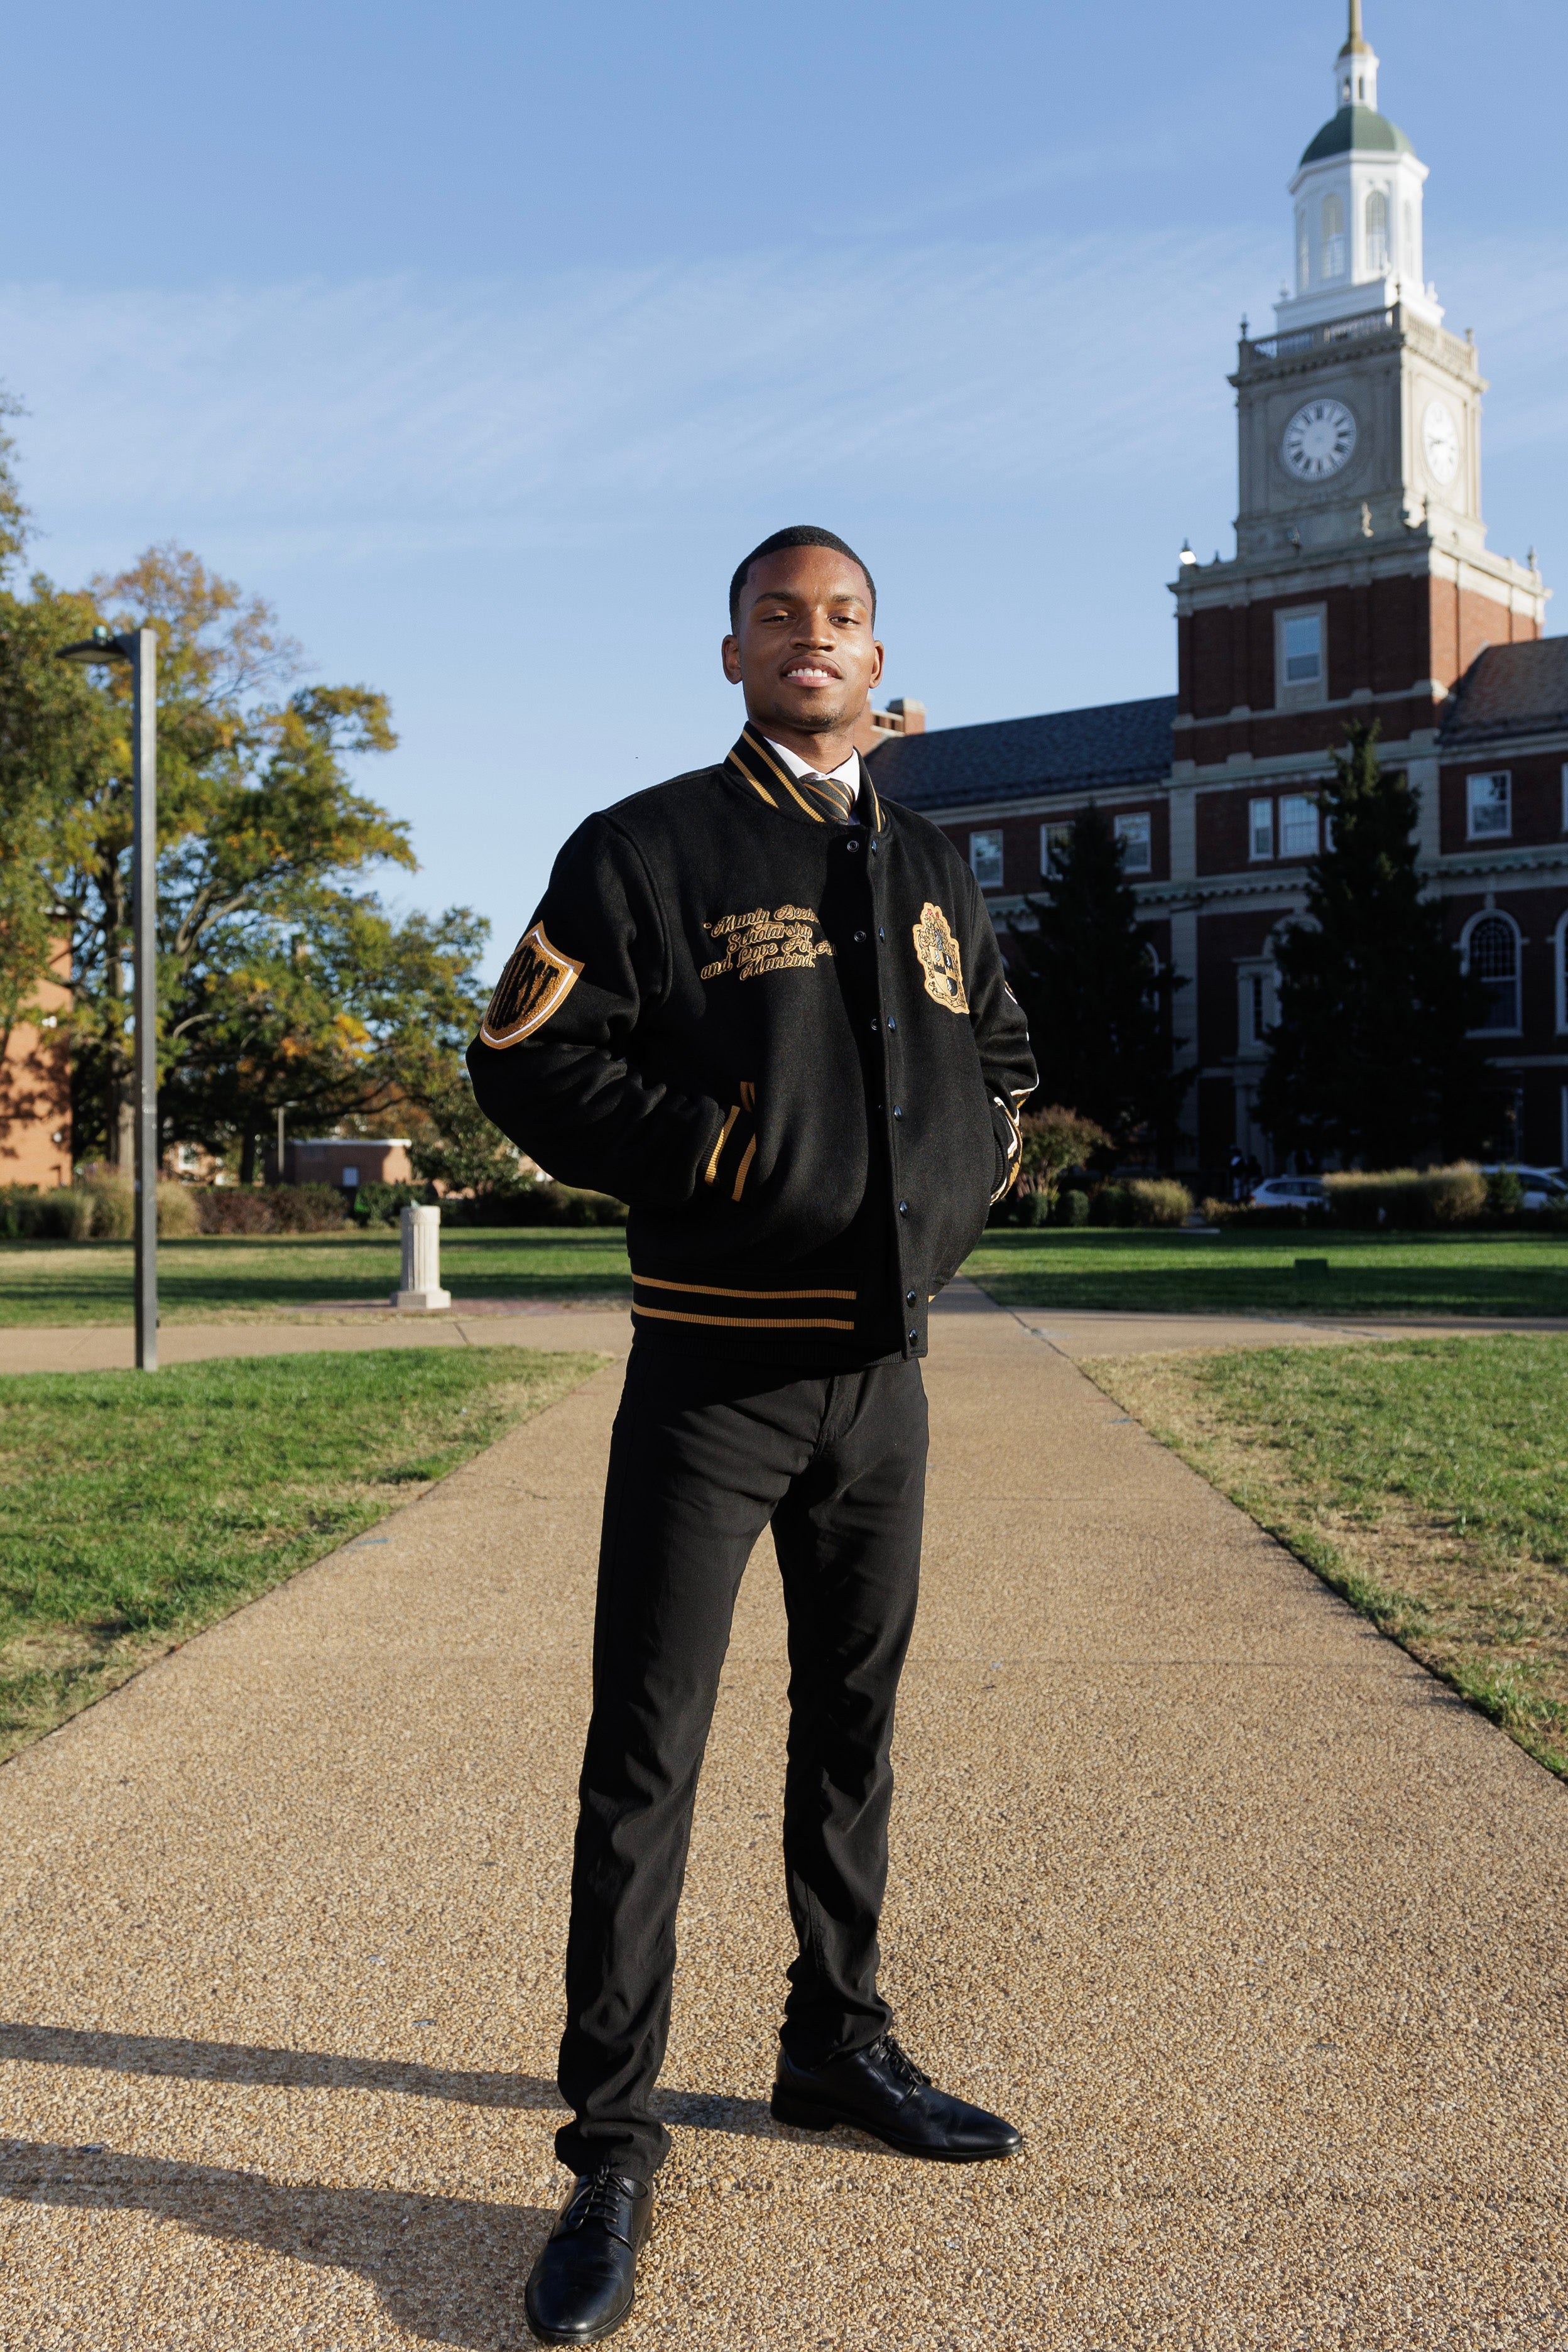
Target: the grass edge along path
(1475, 1589)
(138, 1509)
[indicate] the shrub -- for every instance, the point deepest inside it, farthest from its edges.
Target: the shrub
(1111, 1204)
(111, 1206)
(1052, 1140)
(1505, 1194)
(1409, 1199)
(1072, 1206)
(1158, 1201)
(177, 1219)
(274, 1208)
(542, 1203)
(382, 1205)
(63, 1215)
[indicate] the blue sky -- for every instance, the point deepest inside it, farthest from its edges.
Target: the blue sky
(484, 338)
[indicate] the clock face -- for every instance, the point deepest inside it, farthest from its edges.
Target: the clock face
(1318, 440)
(1440, 441)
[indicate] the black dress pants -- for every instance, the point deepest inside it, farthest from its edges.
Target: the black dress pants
(705, 1453)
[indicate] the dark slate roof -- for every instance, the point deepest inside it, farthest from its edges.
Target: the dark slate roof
(1511, 690)
(1359, 127)
(1014, 758)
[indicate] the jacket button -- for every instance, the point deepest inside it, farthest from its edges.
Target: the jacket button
(904, 1208)
(874, 1027)
(851, 846)
(915, 1337)
(891, 1023)
(908, 1299)
(898, 1107)
(873, 849)
(860, 939)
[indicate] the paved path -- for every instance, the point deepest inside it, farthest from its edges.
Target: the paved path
(1077, 1333)
(1257, 1930)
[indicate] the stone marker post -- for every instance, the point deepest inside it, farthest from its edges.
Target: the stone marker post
(420, 1291)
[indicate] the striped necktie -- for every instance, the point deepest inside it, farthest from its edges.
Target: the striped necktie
(833, 792)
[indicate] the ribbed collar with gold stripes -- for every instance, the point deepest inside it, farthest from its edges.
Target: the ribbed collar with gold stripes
(756, 764)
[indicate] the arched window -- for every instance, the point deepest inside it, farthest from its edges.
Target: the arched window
(1303, 256)
(1376, 233)
(1409, 259)
(1560, 967)
(1492, 956)
(1333, 235)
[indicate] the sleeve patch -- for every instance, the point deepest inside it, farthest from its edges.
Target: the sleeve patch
(536, 982)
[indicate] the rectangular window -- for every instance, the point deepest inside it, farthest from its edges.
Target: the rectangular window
(1303, 649)
(986, 859)
(1297, 827)
(1255, 1006)
(1136, 835)
(350, 1178)
(1565, 796)
(1054, 841)
(1260, 829)
(1488, 800)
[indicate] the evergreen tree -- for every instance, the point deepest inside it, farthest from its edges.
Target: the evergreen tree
(1098, 1005)
(1371, 1062)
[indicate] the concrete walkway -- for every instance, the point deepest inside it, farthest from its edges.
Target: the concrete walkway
(1075, 1333)
(1257, 1930)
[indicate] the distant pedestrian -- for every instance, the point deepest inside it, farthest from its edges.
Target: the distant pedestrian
(767, 1010)
(1238, 1176)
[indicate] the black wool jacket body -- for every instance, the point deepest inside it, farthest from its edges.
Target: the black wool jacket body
(786, 1042)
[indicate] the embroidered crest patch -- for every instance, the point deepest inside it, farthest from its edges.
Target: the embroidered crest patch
(536, 982)
(788, 940)
(938, 952)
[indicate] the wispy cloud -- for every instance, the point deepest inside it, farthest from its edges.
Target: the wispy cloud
(337, 422)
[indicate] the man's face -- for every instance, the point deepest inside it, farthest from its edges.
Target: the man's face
(804, 651)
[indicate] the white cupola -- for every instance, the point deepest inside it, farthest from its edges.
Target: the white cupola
(1356, 238)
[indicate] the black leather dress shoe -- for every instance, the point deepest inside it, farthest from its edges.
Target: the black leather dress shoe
(882, 2091)
(585, 2283)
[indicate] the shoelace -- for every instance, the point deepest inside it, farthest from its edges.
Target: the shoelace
(898, 2062)
(598, 2199)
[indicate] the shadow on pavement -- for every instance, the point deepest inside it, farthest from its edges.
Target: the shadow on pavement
(450, 2269)
(239, 2061)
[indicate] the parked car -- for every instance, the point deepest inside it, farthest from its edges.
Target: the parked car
(1291, 1192)
(1543, 1187)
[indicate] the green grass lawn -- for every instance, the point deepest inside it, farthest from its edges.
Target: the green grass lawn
(237, 1278)
(1191, 1273)
(1426, 1480)
(135, 1510)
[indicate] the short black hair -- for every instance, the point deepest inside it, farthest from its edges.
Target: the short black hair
(799, 534)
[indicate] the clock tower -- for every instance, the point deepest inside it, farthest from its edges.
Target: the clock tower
(1361, 587)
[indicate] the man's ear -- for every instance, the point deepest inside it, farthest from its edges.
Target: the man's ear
(730, 655)
(881, 652)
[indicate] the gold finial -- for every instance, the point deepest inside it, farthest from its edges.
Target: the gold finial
(1355, 41)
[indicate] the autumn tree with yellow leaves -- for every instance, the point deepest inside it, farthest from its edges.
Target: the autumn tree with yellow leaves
(281, 976)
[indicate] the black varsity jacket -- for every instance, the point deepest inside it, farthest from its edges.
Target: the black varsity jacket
(786, 1043)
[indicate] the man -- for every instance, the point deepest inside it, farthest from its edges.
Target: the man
(766, 1009)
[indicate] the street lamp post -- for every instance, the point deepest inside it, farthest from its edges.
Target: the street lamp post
(139, 647)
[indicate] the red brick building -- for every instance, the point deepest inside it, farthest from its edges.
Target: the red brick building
(1361, 587)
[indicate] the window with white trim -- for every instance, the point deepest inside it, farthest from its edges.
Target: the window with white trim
(1303, 649)
(1559, 974)
(1297, 825)
(1377, 218)
(1303, 256)
(1488, 805)
(1260, 829)
(1492, 956)
(1054, 842)
(1565, 796)
(1136, 834)
(1333, 235)
(986, 859)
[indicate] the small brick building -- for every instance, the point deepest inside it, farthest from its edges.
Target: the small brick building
(347, 1161)
(1361, 587)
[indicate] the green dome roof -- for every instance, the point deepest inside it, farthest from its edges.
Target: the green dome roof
(1360, 127)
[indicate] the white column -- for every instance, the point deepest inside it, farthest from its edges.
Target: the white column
(420, 1291)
